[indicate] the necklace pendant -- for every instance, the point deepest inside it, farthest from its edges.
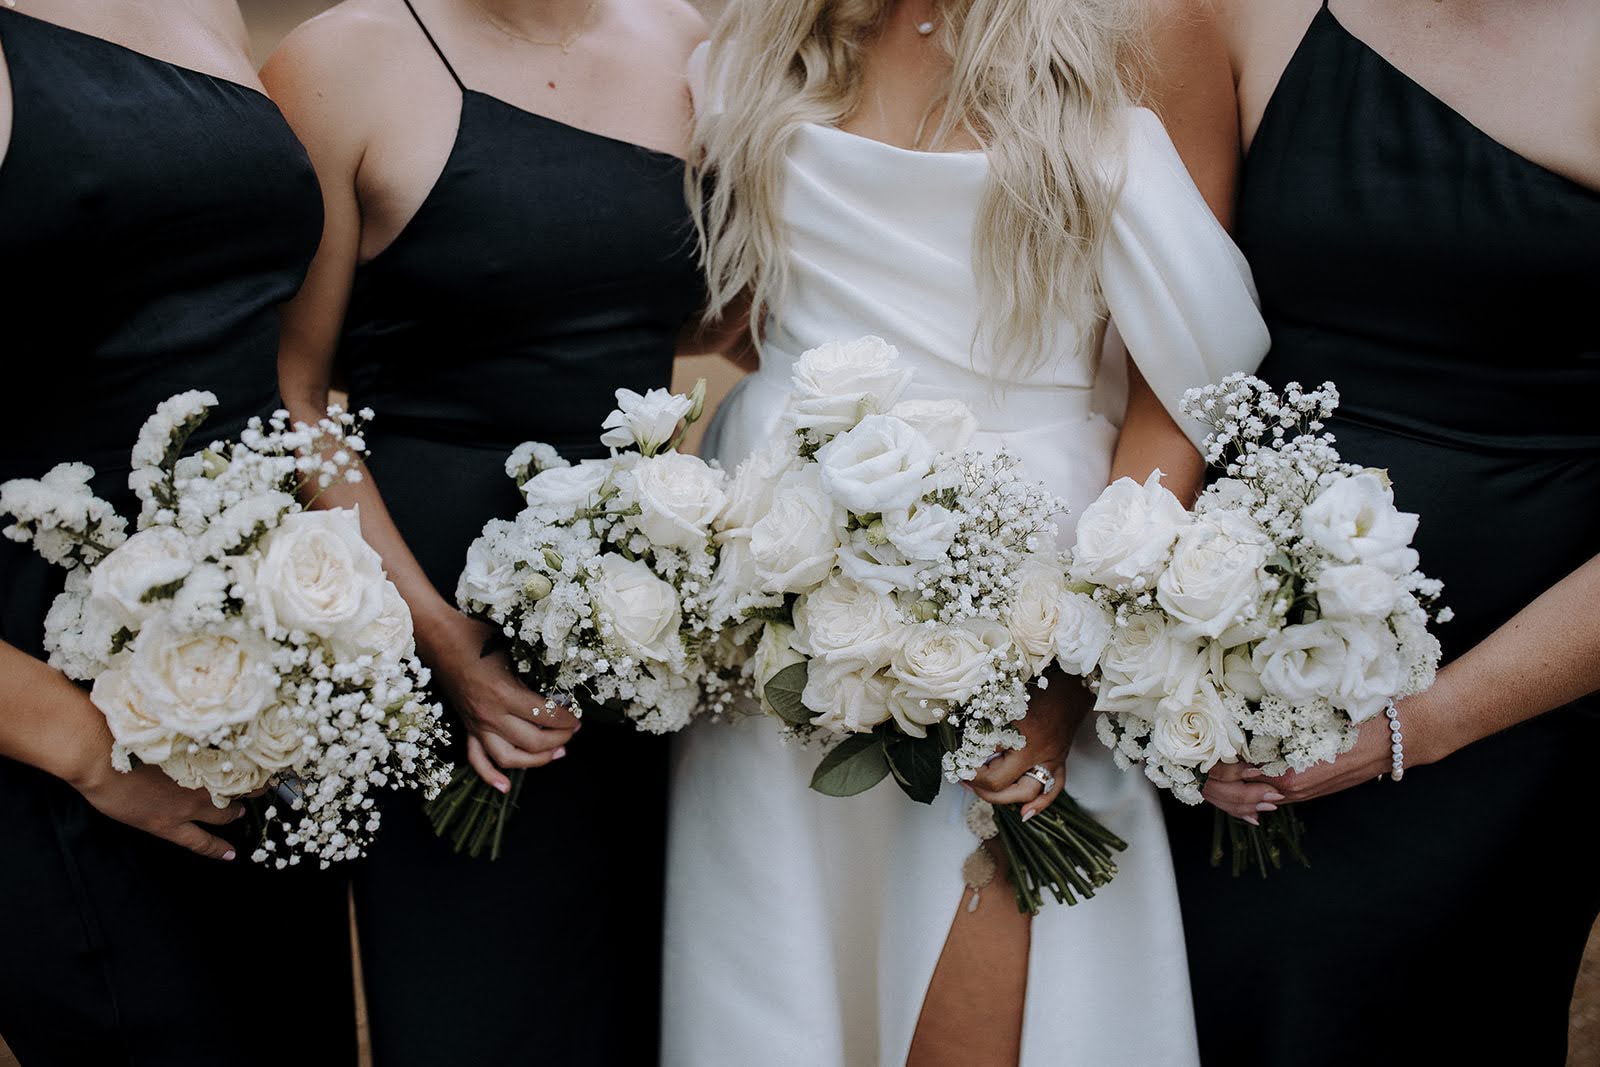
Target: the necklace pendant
(925, 28)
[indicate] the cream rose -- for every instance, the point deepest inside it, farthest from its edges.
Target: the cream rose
(390, 634)
(1217, 573)
(648, 421)
(1035, 612)
(318, 575)
(949, 425)
(794, 543)
(844, 622)
(749, 492)
(846, 699)
(836, 384)
(678, 497)
(1083, 631)
(148, 560)
(1196, 732)
(774, 652)
(225, 775)
(642, 609)
(1127, 533)
(1354, 520)
(880, 465)
(1148, 660)
(274, 740)
(565, 490)
(938, 661)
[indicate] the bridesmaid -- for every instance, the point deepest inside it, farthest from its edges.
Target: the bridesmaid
(154, 211)
(1421, 205)
(507, 243)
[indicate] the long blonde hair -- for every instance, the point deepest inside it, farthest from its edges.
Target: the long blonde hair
(1038, 83)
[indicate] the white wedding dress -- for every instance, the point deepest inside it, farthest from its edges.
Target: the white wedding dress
(802, 930)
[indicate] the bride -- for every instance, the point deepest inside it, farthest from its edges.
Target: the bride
(967, 179)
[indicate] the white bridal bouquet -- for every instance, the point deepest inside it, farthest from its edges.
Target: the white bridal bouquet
(902, 594)
(600, 587)
(236, 640)
(1266, 625)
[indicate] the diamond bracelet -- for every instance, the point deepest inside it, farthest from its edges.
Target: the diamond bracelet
(1397, 749)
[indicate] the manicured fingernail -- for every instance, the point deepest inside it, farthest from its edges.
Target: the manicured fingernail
(228, 855)
(1266, 807)
(1251, 772)
(503, 785)
(1274, 797)
(558, 753)
(1252, 820)
(1028, 815)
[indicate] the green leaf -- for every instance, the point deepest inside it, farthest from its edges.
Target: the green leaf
(854, 766)
(916, 764)
(783, 694)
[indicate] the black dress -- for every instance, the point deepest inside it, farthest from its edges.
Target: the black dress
(1448, 287)
(151, 220)
(547, 267)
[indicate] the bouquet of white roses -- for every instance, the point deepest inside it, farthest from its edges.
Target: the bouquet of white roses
(600, 587)
(1267, 625)
(236, 640)
(905, 595)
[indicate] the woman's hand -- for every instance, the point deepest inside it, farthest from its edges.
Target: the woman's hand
(511, 727)
(1054, 715)
(146, 799)
(1242, 791)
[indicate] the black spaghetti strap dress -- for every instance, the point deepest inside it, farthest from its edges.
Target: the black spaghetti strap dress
(1448, 287)
(547, 267)
(152, 218)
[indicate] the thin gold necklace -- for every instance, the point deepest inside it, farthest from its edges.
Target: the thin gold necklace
(565, 43)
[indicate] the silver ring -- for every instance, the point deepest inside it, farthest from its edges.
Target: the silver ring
(1041, 774)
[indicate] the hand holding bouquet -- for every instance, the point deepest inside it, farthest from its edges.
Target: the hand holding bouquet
(236, 640)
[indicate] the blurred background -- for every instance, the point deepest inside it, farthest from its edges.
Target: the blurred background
(271, 19)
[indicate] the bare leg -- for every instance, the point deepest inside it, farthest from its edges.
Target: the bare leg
(973, 1014)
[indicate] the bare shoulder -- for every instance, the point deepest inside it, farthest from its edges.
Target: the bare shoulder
(674, 26)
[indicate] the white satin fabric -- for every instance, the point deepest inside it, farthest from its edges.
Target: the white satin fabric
(803, 930)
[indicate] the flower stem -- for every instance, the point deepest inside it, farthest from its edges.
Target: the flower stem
(1062, 849)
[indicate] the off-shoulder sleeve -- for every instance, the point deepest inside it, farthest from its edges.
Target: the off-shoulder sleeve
(1178, 288)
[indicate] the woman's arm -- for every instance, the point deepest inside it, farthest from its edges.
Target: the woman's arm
(49, 723)
(322, 81)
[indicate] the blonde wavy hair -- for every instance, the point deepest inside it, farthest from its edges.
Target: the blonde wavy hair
(1037, 83)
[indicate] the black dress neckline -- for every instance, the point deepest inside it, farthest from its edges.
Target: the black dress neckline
(1326, 19)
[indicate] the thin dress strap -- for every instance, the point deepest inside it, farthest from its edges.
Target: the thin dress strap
(423, 26)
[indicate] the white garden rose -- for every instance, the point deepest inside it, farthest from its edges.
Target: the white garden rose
(749, 491)
(193, 684)
(225, 775)
(1354, 520)
(846, 699)
(318, 575)
(836, 384)
(642, 609)
(880, 465)
(1372, 672)
(794, 543)
(150, 559)
(1128, 532)
(1035, 614)
(1083, 632)
(678, 496)
(274, 740)
(1196, 731)
(1300, 663)
(1148, 659)
(487, 578)
(566, 490)
(648, 421)
(390, 635)
(922, 532)
(774, 652)
(940, 661)
(949, 425)
(845, 622)
(1354, 592)
(1217, 574)
(914, 714)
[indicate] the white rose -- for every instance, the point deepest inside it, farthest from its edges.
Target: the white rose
(192, 684)
(846, 699)
(1035, 613)
(274, 740)
(1196, 732)
(1148, 660)
(882, 464)
(923, 532)
(749, 492)
(148, 560)
(1217, 573)
(949, 425)
(318, 575)
(487, 578)
(939, 661)
(649, 421)
(390, 635)
(1235, 670)
(774, 652)
(565, 490)
(1303, 662)
(643, 609)
(845, 622)
(1083, 631)
(794, 543)
(1372, 672)
(835, 384)
(678, 497)
(225, 775)
(1354, 520)
(1356, 592)
(912, 713)
(1127, 532)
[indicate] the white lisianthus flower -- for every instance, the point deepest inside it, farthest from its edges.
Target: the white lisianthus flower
(487, 578)
(922, 532)
(844, 622)
(874, 562)
(1035, 615)
(1354, 520)
(318, 575)
(949, 425)
(1217, 574)
(226, 775)
(193, 684)
(845, 698)
(390, 634)
(774, 652)
(794, 543)
(1303, 662)
(837, 384)
(1128, 532)
(648, 421)
(643, 609)
(940, 661)
(1083, 632)
(1355, 592)
(1196, 731)
(1235, 670)
(678, 497)
(1372, 673)
(565, 490)
(148, 560)
(880, 465)
(1148, 659)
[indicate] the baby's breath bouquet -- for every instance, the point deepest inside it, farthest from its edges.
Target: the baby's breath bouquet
(600, 587)
(1265, 626)
(237, 640)
(901, 593)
